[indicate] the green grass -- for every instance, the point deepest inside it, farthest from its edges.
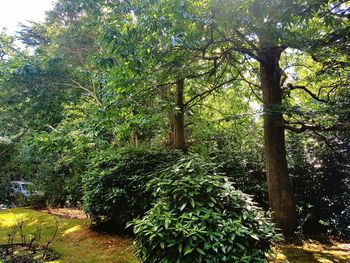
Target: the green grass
(75, 242)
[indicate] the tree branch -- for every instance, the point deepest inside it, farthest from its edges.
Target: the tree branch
(290, 87)
(302, 127)
(78, 85)
(202, 95)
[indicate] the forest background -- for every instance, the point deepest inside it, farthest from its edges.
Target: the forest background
(261, 88)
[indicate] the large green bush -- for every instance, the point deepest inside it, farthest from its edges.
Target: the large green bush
(5, 194)
(114, 187)
(239, 152)
(246, 173)
(200, 217)
(9, 170)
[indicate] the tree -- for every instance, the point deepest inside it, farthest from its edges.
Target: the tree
(158, 45)
(132, 71)
(263, 30)
(245, 35)
(53, 93)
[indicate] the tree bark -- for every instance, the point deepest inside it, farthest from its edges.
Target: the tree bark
(179, 118)
(280, 192)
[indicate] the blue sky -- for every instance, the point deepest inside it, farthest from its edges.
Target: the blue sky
(14, 12)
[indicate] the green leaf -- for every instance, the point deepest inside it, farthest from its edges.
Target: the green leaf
(200, 251)
(180, 247)
(183, 206)
(192, 202)
(255, 236)
(167, 222)
(188, 250)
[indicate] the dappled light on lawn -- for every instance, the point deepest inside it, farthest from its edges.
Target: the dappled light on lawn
(312, 251)
(74, 240)
(72, 229)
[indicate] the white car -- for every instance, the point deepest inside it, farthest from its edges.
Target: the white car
(21, 188)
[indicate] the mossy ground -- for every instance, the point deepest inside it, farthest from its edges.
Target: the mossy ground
(75, 242)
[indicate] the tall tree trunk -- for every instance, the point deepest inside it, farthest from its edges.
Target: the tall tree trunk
(280, 192)
(179, 119)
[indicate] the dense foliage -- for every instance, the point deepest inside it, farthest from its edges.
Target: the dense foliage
(252, 84)
(200, 217)
(321, 179)
(115, 184)
(5, 177)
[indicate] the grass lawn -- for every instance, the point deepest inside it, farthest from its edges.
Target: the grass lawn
(75, 242)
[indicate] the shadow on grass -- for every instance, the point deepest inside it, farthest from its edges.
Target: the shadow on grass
(313, 253)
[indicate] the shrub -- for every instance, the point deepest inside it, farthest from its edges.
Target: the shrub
(245, 172)
(61, 186)
(200, 217)
(37, 201)
(240, 156)
(5, 193)
(8, 170)
(114, 187)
